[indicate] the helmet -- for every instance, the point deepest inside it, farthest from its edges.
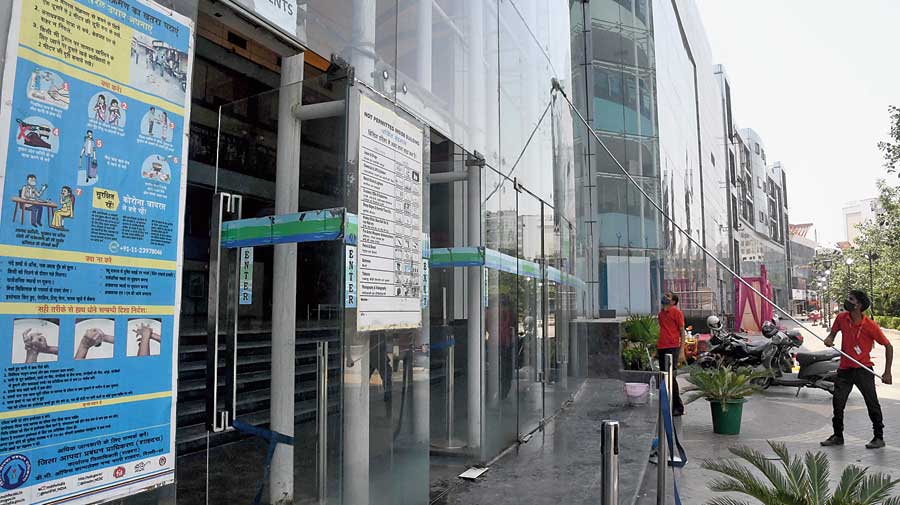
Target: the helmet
(769, 329)
(713, 323)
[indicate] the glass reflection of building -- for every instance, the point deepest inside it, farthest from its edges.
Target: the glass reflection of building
(615, 69)
(649, 88)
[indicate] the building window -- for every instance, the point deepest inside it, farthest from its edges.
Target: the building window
(759, 182)
(712, 158)
(762, 217)
(756, 147)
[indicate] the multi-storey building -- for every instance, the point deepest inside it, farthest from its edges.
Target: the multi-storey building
(803, 247)
(856, 213)
(760, 232)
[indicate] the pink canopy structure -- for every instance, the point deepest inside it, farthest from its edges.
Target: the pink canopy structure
(750, 310)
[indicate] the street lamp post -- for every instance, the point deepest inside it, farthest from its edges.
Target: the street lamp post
(828, 296)
(872, 256)
(849, 262)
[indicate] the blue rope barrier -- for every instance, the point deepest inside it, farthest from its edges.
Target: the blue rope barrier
(274, 438)
(671, 439)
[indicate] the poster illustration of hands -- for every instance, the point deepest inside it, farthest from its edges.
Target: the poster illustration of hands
(95, 105)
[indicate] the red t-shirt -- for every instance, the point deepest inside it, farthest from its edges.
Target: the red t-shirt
(864, 335)
(671, 321)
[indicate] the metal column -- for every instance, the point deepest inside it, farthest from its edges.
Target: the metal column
(284, 286)
(609, 446)
(474, 364)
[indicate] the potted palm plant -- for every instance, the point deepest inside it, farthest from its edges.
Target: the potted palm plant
(641, 334)
(726, 389)
(796, 481)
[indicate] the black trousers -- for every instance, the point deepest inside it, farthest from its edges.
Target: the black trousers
(864, 380)
(677, 405)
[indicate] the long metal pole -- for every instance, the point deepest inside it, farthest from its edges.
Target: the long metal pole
(609, 447)
(284, 285)
(642, 191)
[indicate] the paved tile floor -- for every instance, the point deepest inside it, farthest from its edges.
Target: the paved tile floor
(799, 422)
(562, 464)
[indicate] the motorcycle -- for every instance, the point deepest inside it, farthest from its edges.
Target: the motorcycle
(730, 350)
(817, 369)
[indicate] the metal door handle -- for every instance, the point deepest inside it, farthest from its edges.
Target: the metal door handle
(220, 417)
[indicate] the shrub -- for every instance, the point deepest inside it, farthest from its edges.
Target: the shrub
(792, 480)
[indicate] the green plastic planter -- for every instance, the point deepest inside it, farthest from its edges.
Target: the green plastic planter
(727, 422)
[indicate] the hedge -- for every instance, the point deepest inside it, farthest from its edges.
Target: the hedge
(888, 322)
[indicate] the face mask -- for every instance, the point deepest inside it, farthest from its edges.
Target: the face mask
(849, 306)
(666, 301)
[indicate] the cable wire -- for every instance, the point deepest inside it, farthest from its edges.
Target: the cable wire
(558, 89)
(522, 153)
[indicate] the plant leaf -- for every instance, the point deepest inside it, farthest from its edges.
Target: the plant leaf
(874, 489)
(766, 467)
(850, 478)
(740, 480)
(818, 472)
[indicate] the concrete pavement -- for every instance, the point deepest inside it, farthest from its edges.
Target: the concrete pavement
(799, 422)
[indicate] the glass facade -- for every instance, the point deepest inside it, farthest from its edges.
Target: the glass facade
(494, 356)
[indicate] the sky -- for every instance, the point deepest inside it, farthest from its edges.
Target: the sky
(814, 78)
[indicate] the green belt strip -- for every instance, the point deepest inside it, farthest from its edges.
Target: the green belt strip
(309, 226)
(459, 257)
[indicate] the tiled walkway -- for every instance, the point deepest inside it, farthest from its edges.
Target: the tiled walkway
(562, 464)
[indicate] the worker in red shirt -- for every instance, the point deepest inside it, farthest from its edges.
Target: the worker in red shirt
(858, 335)
(671, 341)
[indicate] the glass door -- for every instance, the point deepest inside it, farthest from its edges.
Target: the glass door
(235, 400)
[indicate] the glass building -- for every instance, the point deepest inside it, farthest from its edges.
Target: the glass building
(526, 225)
(276, 129)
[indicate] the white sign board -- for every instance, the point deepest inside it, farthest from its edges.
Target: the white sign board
(278, 13)
(390, 220)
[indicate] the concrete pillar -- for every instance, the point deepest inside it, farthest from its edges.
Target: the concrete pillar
(474, 368)
(423, 44)
(284, 286)
(355, 480)
(363, 42)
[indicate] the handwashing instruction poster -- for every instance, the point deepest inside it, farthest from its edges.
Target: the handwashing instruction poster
(92, 168)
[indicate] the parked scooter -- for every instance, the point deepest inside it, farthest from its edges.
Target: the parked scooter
(817, 369)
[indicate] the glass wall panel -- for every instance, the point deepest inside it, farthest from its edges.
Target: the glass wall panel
(531, 314)
(363, 33)
(525, 76)
(556, 341)
(500, 235)
(447, 69)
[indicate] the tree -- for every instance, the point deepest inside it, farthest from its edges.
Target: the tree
(891, 148)
(878, 237)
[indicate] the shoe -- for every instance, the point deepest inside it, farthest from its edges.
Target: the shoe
(832, 440)
(876, 443)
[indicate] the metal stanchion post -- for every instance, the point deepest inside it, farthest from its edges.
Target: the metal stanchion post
(609, 446)
(451, 443)
(662, 449)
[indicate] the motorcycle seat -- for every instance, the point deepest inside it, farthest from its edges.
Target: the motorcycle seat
(756, 347)
(808, 358)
